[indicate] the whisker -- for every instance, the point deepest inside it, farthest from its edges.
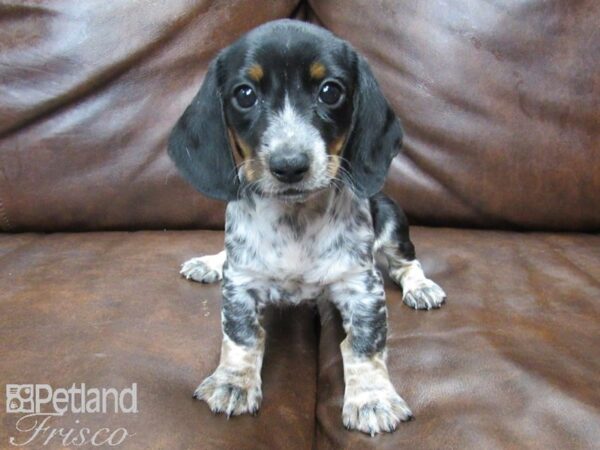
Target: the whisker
(343, 175)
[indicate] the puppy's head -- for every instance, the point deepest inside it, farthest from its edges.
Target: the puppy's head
(286, 111)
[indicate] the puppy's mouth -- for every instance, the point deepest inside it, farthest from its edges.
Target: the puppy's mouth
(293, 195)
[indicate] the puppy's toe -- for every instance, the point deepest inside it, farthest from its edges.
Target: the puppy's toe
(231, 398)
(376, 413)
(426, 295)
(203, 270)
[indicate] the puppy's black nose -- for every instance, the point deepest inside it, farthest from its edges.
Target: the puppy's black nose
(289, 168)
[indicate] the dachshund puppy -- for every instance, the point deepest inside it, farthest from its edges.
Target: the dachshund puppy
(291, 129)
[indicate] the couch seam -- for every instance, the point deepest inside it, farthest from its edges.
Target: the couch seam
(4, 221)
(300, 11)
(4, 217)
(318, 367)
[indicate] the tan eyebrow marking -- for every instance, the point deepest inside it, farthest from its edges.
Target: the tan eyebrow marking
(317, 70)
(256, 72)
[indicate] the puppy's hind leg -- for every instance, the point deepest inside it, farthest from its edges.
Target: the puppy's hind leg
(205, 269)
(392, 239)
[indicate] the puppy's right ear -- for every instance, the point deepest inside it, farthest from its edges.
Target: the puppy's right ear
(199, 146)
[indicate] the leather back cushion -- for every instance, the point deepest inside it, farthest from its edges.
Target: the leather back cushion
(499, 102)
(89, 91)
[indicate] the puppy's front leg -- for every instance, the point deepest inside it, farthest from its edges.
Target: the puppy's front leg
(235, 386)
(204, 269)
(371, 404)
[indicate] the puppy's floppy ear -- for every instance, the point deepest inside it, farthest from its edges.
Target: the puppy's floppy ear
(376, 135)
(199, 146)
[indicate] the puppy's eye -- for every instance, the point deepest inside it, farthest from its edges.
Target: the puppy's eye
(245, 97)
(331, 93)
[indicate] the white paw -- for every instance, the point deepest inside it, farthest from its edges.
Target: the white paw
(205, 269)
(424, 295)
(229, 392)
(375, 411)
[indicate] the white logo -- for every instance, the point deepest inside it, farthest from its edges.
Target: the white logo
(38, 398)
(41, 403)
(19, 398)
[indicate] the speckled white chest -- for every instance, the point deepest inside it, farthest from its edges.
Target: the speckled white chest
(292, 252)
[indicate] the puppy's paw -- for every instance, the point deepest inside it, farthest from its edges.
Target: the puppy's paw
(424, 295)
(230, 394)
(375, 411)
(205, 269)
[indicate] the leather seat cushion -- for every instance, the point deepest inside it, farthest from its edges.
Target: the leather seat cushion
(512, 359)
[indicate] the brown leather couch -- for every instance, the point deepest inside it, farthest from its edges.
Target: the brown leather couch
(500, 176)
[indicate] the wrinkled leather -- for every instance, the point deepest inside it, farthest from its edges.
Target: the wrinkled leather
(110, 309)
(500, 105)
(500, 101)
(89, 91)
(512, 359)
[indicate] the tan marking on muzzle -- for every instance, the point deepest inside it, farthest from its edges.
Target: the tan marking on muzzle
(242, 154)
(333, 165)
(335, 147)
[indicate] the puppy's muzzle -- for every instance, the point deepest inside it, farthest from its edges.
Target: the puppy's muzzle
(289, 167)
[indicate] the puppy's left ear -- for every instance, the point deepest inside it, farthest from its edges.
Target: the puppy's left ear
(376, 135)
(199, 146)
